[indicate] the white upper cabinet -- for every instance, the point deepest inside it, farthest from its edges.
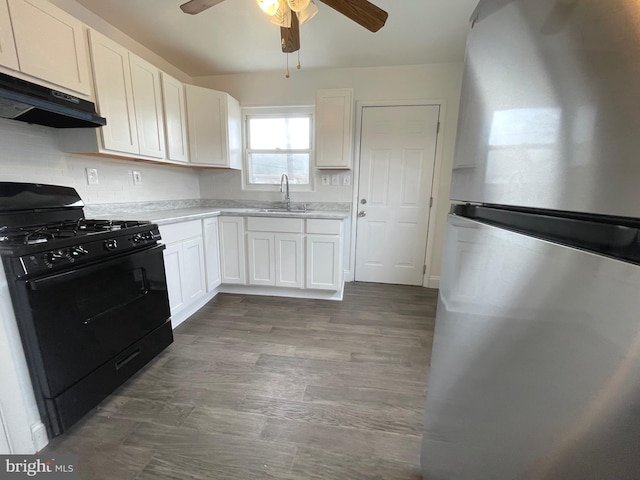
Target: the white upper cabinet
(129, 96)
(8, 54)
(334, 128)
(147, 101)
(175, 119)
(214, 128)
(50, 44)
(114, 94)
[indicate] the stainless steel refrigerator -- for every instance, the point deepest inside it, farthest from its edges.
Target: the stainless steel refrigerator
(535, 372)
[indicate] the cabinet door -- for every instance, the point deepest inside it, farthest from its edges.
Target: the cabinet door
(114, 95)
(147, 103)
(211, 253)
(206, 114)
(8, 55)
(289, 255)
(334, 128)
(173, 270)
(50, 44)
(193, 269)
(261, 258)
(324, 266)
(175, 119)
(232, 251)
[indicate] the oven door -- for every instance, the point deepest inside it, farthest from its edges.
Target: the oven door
(77, 320)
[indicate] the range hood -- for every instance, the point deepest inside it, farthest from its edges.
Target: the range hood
(31, 103)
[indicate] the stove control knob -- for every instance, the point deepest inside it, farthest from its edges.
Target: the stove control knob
(138, 237)
(54, 257)
(111, 244)
(77, 252)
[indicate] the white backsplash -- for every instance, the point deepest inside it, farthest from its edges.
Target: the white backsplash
(30, 153)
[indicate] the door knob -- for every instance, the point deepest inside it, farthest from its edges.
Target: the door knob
(362, 213)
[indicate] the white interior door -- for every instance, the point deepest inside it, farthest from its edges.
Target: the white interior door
(397, 156)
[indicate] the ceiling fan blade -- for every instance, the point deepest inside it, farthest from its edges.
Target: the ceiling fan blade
(197, 6)
(290, 37)
(360, 11)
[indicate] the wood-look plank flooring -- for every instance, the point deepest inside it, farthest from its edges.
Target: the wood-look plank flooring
(273, 388)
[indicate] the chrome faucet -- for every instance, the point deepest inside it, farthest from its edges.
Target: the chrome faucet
(284, 180)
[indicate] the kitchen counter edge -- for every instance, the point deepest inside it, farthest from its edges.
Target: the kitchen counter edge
(166, 217)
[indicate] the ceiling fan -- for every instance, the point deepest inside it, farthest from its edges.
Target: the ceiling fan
(289, 17)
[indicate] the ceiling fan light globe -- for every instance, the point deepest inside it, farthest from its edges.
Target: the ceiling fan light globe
(308, 13)
(282, 16)
(270, 7)
(298, 5)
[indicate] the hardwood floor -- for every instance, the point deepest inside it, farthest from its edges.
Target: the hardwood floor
(273, 388)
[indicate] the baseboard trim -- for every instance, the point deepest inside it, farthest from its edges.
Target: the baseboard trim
(39, 436)
(181, 316)
(283, 292)
(434, 282)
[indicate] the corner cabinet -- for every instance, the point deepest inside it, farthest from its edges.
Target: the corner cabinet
(215, 133)
(211, 252)
(44, 42)
(184, 264)
(175, 119)
(334, 128)
(232, 256)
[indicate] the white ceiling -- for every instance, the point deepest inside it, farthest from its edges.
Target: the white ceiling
(235, 36)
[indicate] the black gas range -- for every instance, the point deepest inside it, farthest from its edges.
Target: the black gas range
(89, 297)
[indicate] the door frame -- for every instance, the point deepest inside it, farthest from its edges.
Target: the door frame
(435, 184)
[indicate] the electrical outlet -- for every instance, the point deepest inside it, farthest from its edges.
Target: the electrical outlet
(346, 180)
(137, 177)
(326, 180)
(92, 176)
(335, 179)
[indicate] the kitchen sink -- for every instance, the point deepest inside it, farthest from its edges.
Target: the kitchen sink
(281, 210)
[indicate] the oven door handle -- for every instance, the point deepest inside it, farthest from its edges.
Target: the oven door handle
(36, 283)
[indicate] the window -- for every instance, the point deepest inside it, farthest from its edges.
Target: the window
(278, 142)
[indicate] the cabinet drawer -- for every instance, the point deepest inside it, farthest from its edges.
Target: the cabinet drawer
(324, 227)
(176, 232)
(274, 224)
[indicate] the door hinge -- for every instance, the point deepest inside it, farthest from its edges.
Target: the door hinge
(430, 202)
(424, 270)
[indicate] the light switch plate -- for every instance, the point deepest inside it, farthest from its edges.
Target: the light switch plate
(346, 179)
(92, 176)
(326, 180)
(335, 179)
(137, 177)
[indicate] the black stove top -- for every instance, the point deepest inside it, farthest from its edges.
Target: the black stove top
(43, 229)
(52, 232)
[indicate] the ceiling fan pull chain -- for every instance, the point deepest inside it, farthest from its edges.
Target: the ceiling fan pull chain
(298, 64)
(286, 74)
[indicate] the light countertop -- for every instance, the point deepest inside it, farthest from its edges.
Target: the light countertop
(164, 217)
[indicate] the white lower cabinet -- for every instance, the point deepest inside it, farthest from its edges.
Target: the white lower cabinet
(275, 259)
(289, 260)
(324, 254)
(211, 252)
(232, 250)
(184, 265)
(261, 258)
(324, 270)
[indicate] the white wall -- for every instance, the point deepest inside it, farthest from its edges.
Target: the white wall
(30, 153)
(439, 82)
